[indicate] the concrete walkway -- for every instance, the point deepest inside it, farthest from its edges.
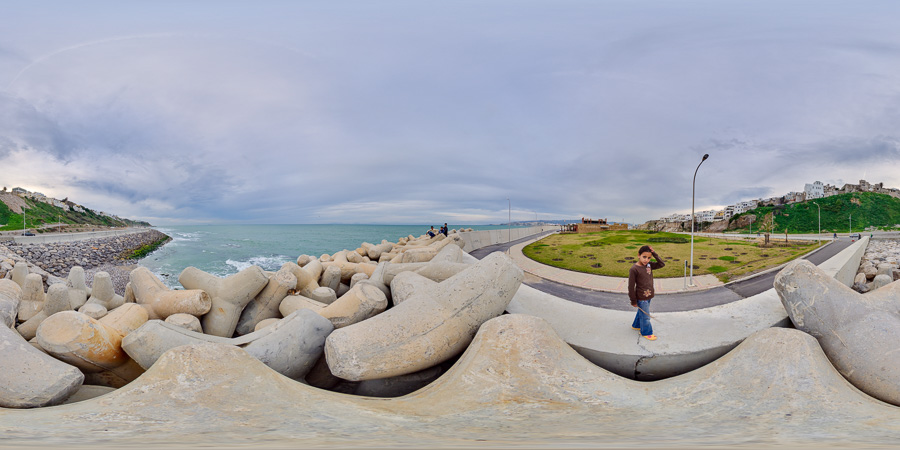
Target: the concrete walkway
(601, 282)
(553, 281)
(47, 238)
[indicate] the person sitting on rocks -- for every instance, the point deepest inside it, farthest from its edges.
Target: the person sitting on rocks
(431, 232)
(444, 230)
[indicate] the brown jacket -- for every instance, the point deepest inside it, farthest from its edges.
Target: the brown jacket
(640, 280)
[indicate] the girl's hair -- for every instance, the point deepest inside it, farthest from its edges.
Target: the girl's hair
(645, 248)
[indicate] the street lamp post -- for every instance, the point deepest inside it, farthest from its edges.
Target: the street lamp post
(509, 221)
(851, 223)
(693, 186)
(820, 216)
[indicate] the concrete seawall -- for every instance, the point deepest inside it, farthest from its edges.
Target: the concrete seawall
(72, 237)
(478, 239)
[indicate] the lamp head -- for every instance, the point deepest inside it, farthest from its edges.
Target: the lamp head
(704, 157)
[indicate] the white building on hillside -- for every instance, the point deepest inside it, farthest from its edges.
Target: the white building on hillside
(814, 190)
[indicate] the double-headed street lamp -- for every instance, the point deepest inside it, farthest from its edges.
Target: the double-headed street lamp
(693, 186)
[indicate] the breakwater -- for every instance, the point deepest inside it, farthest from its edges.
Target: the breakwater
(56, 259)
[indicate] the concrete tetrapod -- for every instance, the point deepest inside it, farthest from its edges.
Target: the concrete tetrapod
(516, 384)
(33, 297)
(265, 304)
(102, 293)
(363, 301)
(290, 347)
(161, 302)
(426, 329)
(93, 345)
(57, 301)
(10, 294)
(229, 296)
(19, 272)
(30, 378)
(78, 289)
(857, 332)
(407, 284)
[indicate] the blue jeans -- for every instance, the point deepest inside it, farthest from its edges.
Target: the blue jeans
(642, 319)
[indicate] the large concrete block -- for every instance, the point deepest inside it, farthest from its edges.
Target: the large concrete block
(856, 331)
(406, 284)
(290, 347)
(10, 295)
(425, 330)
(102, 292)
(360, 303)
(265, 304)
(93, 345)
(19, 273)
(161, 302)
(229, 296)
(57, 301)
(78, 289)
(30, 378)
(33, 297)
(186, 321)
(292, 303)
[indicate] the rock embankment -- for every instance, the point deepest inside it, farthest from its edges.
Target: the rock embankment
(56, 259)
(879, 265)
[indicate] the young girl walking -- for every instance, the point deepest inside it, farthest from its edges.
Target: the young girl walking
(640, 289)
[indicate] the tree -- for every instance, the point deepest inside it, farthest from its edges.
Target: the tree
(767, 224)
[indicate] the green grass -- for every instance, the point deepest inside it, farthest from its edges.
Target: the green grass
(41, 213)
(617, 252)
(868, 209)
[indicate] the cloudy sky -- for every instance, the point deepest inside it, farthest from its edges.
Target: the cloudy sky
(434, 111)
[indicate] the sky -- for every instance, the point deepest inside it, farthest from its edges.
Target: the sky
(425, 112)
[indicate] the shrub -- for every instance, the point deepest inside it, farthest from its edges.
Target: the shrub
(669, 239)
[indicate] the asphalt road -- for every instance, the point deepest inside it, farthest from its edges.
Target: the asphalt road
(686, 301)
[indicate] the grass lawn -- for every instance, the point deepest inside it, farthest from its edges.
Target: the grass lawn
(612, 253)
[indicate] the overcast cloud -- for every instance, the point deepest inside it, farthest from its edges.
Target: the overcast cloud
(432, 112)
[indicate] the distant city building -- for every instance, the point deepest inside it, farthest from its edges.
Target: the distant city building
(591, 225)
(814, 190)
(19, 191)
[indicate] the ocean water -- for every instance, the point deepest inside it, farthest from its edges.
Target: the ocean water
(223, 250)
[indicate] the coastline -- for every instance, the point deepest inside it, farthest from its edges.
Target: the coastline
(53, 261)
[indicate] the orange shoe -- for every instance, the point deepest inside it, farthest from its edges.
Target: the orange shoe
(633, 328)
(650, 337)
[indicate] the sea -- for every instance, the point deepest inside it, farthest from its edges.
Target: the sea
(223, 250)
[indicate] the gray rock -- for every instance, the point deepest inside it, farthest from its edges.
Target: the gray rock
(30, 378)
(854, 330)
(881, 280)
(862, 288)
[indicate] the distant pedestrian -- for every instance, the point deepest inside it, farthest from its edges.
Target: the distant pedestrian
(640, 289)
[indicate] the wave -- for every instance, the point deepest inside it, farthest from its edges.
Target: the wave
(264, 262)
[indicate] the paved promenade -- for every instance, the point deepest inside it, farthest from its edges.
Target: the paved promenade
(47, 238)
(556, 281)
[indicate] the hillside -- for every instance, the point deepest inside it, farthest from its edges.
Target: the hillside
(867, 208)
(38, 214)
